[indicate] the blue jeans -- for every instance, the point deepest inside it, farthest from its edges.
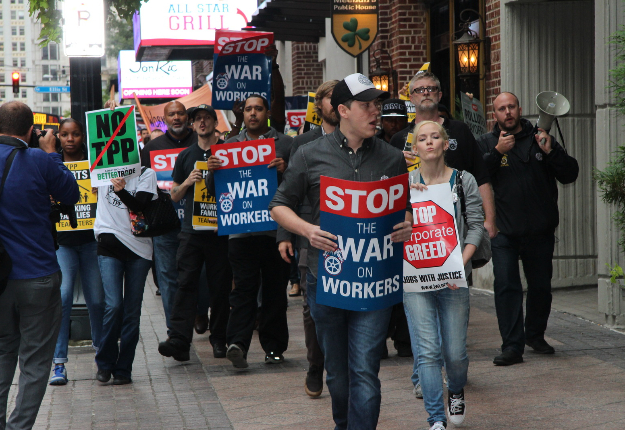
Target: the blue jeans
(352, 343)
(430, 313)
(165, 250)
(72, 259)
(123, 283)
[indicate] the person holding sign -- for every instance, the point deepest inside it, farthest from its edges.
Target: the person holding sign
(77, 252)
(124, 261)
(351, 341)
(444, 310)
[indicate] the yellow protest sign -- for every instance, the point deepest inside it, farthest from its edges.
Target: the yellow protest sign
(87, 201)
(204, 205)
(404, 93)
(311, 112)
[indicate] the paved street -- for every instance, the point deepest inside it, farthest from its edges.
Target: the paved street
(581, 387)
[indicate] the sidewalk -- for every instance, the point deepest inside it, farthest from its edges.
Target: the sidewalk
(580, 387)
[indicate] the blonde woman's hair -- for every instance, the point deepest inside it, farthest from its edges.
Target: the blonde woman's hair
(441, 131)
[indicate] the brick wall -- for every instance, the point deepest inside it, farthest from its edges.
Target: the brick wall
(403, 33)
(493, 78)
(307, 70)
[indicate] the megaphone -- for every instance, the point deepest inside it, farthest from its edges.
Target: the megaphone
(551, 105)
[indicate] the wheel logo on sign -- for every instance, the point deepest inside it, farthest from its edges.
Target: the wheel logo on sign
(225, 202)
(333, 262)
(221, 80)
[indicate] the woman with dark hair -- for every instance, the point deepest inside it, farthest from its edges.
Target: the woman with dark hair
(77, 253)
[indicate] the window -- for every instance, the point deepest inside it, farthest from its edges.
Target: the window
(23, 77)
(50, 52)
(54, 97)
(13, 14)
(15, 62)
(56, 110)
(24, 94)
(1, 77)
(23, 62)
(13, 31)
(22, 46)
(20, 14)
(14, 46)
(1, 14)
(20, 1)
(3, 94)
(22, 31)
(12, 1)
(50, 73)
(1, 62)
(1, 46)
(46, 97)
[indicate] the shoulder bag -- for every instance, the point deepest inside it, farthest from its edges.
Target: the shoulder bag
(6, 264)
(483, 252)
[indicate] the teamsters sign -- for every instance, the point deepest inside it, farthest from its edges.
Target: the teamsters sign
(241, 69)
(365, 271)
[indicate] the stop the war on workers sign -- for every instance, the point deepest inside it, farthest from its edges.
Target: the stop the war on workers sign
(241, 68)
(87, 201)
(204, 206)
(365, 271)
(244, 186)
(112, 145)
(163, 162)
(432, 256)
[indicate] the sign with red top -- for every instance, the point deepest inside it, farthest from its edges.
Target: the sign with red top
(364, 273)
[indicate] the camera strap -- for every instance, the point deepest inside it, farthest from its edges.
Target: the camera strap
(7, 166)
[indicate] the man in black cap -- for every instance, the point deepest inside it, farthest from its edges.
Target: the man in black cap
(352, 342)
(394, 118)
(198, 247)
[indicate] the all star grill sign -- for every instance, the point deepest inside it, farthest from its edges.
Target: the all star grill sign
(354, 24)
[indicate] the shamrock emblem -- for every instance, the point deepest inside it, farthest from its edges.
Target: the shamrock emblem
(354, 33)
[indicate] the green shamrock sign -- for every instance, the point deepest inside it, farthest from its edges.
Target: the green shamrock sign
(354, 34)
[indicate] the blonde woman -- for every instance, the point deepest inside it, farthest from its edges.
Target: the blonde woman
(438, 320)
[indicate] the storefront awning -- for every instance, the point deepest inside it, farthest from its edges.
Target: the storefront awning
(292, 20)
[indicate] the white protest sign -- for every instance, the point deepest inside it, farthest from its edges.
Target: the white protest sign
(473, 114)
(432, 256)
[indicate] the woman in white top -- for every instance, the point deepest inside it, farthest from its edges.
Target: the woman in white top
(124, 262)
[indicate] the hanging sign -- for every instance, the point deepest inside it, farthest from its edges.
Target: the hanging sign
(354, 24)
(87, 201)
(365, 271)
(432, 256)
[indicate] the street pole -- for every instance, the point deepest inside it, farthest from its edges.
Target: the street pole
(85, 85)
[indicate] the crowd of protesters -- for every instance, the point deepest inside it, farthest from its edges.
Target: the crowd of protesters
(247, 276)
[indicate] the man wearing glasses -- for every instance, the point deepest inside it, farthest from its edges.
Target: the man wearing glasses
(352, 342)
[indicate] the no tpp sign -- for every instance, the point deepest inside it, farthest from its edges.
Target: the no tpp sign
(433, 236)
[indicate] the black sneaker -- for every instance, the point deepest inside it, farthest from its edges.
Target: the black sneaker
(237, 356)
(540, 346)
(456, 407)
(314, 381)
(274, 358)
(508, 358)
(175, 348)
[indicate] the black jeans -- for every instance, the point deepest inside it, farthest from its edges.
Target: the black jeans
(194, 251)
(254, 258)
(536, 253)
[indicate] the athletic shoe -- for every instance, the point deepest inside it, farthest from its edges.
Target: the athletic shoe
(237, 356)
(456, 407)
(508, 358)
(60, 375)
(540, 346)
(314, 381)
(438, 425)
(417, 391)
(274, 358)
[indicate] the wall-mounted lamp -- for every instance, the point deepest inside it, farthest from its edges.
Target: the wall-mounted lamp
(381, 78)
(470, 49)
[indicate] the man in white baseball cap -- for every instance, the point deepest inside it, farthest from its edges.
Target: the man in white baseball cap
(351, 341)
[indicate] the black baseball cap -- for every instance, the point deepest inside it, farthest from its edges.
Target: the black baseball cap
(208, 108)
(394, 107)
(356, 87)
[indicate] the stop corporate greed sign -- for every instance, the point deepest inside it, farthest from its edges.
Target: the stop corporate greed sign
(432, 256)
(365, 271)
(244, 186)
(241, 69)
(112, 145)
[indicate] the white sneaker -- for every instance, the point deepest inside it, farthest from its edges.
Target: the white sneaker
(456, 407)
(417, 391)
(438, 425)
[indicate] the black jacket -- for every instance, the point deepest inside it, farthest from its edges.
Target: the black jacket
(524, 181)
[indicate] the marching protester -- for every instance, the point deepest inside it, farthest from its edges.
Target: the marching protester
(313, 385)
(351, 152)
(198, 247)
(524, 163)
(124, 261)
(438, 319)
(77, 253)
(30, 277)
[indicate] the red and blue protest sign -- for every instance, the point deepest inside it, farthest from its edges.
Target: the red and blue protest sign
(241, 67)
(163, 162)
(244, 186)
(365, 271)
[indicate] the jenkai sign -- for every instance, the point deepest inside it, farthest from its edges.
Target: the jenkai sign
(354, 24)
(153, 79)
(190, 22)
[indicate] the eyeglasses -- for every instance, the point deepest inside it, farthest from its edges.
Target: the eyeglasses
(421, 90)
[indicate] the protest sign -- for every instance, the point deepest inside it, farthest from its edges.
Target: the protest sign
(204, 207)
(241, 69)
(244, 186)
(473, 114)
(432, 256)
(163, 162)
(365, 271)
(87, 201)
(112, 145)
